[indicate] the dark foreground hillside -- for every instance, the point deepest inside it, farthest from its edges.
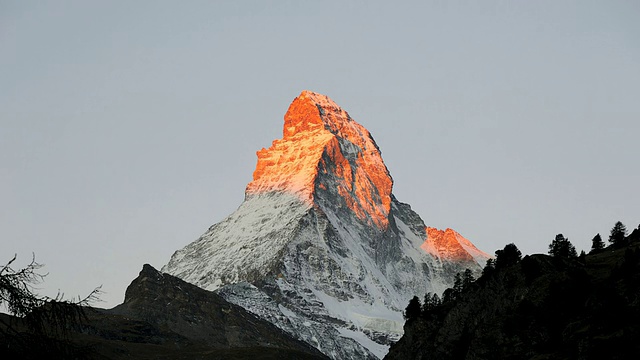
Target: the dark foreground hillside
(539, 308)
(162, 317)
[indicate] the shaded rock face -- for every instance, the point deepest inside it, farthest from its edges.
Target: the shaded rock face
(163, 317)
(320, 247)
(196, 314)
(540, 308)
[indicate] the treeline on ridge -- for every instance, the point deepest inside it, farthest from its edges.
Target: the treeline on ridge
(562, 305)
(560, 247)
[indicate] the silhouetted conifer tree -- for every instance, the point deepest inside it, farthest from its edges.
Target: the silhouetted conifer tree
(457, 285)
(508, 256)
(597, 243)
(489, 268)
(618, 233)
(413, 309)
(435, 300)
(467, 279)
(448, 296)
(561, 247)
(431, 302)
(426, 304)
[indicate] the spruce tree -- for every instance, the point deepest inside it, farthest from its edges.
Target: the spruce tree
(413, 310)
(467, 279)
(618, 233)
(435, 300)
(489, 268)
(508, 256)
(561, 247)
(457, 285)
(448, 296)
(597, 243)
(427, 304)
(431, 302)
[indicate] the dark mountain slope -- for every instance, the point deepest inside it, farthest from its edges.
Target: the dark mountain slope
(167, 302)
(539, 308)
(164, 317)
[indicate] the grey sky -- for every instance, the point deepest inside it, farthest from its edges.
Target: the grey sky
(128, 128)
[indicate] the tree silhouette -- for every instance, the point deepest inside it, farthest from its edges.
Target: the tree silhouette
(561, 247)
(634, 236)
(413, 310)
(489, 268)
(467, 279)
(457, 285)
(435, 300)
(618, 233)
(431, 302)
(448, 296)
(597, 243)
(47, 319)
(426, 304)
(508, 256)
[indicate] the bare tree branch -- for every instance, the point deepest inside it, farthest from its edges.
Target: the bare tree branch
(42, 314)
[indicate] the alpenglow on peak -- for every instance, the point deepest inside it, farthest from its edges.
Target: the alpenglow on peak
(319, 137)
(320, 246)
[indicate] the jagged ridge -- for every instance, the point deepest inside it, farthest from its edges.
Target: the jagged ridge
(320, 246)
(319, 137)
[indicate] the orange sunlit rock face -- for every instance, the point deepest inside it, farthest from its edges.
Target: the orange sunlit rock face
(450, 245)
(318, 135)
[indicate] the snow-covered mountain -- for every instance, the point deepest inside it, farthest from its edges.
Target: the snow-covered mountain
(320, 247)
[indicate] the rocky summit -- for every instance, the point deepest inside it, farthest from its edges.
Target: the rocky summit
(320, 247)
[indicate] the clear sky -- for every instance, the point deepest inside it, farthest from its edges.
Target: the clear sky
(128, 128)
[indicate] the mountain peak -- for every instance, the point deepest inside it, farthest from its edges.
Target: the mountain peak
(306, 114)
(450, 245)
(324, 149)
(320, 246)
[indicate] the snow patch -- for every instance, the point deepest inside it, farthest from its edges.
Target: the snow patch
(377, 349)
